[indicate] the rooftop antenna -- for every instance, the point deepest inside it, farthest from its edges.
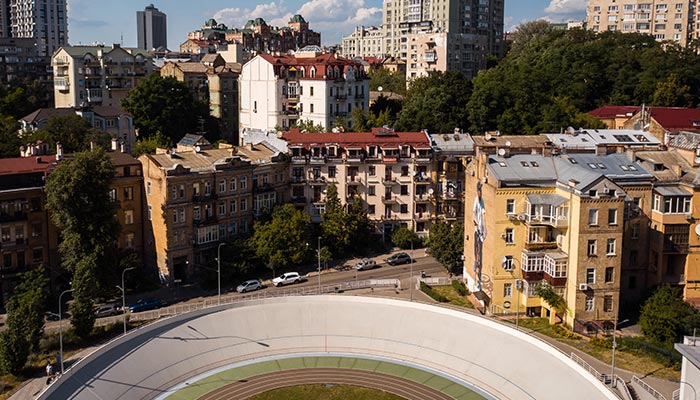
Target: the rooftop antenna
(121, 40)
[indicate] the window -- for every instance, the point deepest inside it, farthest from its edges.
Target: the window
(609, 274)
(130, 241)
(182, 215)
(222, 209)
(148, 188)
(510, 206)
(311, 108)
(372, 170)
(332, 172)
(222, 186)
(128, 193)
(508, 264)
(128, 217)
(592, 247)
(612, 216)
(244, 204)
(371, 190)
(150, 212)
(243, 183)
(371, 209)
(593, 217)
(404, 208)
(37, 255)
(182, 191)
(607, 303)
(610, 250)
(175, 214)
(635, 231)
(197, 214)
(589, 303)
(509, 236)
(36, 230)
(232, 185)
(207, 187)
(173, 193)
(311, 93)
(507, 290)
(590, 276)
(404, 190)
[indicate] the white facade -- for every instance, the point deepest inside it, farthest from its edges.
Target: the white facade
(364, 42)
(44, 21)
(324, 91)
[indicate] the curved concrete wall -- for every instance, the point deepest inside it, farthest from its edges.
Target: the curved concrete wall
(494, 358)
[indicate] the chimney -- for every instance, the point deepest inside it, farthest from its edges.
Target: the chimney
(600, 150)
(92, 145)
(114, 144)
(122, 146)
(251, 147)
(38, 160)
(59, 151)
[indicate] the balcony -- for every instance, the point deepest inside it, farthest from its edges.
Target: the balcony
(265, 187)
(17, 244)
(359, 95)
(452, 216)
(290, 111)
(390, 200)
(353, 180)
(61, 83)
(297, 180)
(389, 181)
(422, 198)
(202, 198)
(317, 180)
(15, 216)
(299, 159)
(550, 265)
(341, 97)
(318, 159)
(422, 178)
(94, 95)
(208, 220)
(298, 200)
(355, 158)
(552, 220)
(423, 216)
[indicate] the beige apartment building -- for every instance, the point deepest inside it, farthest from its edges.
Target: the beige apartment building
(364, 41)
(429, 52)
(97, 75)
(671, 20)
(198, 196)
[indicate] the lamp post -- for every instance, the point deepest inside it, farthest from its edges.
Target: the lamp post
(614, 345)
(410, 280)
(60, 326)
(319, 265)
(518, 287)
(218, 269)
(123, 289)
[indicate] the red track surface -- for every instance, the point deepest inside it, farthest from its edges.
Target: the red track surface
(263, 383)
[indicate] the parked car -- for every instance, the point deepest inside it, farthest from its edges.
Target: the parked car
(106, 310)
(249, 286)
(287, 278)
(399, 258)
(366, 264)
(51, 316)
(145, 304)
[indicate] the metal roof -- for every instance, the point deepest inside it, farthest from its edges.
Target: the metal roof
(672, 191)
(551, 199)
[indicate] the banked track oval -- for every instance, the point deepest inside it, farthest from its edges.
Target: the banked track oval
(373, 380)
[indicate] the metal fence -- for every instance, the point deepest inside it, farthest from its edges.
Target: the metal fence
(230, 298)
(648, 388)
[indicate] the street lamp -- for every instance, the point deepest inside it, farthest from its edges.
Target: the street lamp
(319, 265)
(123, 289)
(410, 280)
(60, 326)
(218, 269)
(614, 345)
(518, 287)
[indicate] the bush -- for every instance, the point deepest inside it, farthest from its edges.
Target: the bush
(430, 292)
(602, 343)
(565, 333)
(460, 287)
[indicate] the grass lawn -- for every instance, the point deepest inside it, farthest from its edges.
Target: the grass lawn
(452, 296)
(325, 392)
(637, 362)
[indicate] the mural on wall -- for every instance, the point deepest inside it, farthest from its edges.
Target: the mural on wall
(478, 213)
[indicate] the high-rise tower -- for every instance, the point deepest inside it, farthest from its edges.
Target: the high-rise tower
(45, 21)
(152, 28)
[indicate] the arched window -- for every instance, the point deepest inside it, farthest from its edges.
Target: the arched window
(303, 72)
(312, 73)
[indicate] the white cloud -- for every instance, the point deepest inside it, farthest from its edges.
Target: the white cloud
(333, 18)
(566, 6)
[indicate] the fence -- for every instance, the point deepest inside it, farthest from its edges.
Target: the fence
(648, 388)
(178, 309)
(605, 378)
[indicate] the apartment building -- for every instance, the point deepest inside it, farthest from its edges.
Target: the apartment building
(665, 20)
(151, 28)
(198, 196)
(390, 172)
(364, 41)
(430, 52)
(27, 238)
(278, 91)
(97, 75)
(481, 18)
(215, 81)
(451, 154)
(45, 22)
(20, 61)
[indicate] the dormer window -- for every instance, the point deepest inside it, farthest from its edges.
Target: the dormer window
(593, 193)
(332, 150)
(312, 72)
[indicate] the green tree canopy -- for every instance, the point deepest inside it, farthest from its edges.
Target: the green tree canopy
(73, 131)
(391, 82)
(165, 105)
(665, 317)
(10, 142)
(405, 238)
(307, 125)
(446, 243)
(281, 242)
(436, 103)
(336, 234)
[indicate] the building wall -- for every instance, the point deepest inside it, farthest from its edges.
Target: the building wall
(151, 25)
(260, 96)
(44, 21)
(364, 42)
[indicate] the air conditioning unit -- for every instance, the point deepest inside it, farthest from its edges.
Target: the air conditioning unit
(688, 216)
(519, 284)
(511, 217)
(560, 239)
(503, 235)
(522, 216)
(582, 286)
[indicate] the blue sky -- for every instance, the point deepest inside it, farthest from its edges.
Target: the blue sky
(114, 21)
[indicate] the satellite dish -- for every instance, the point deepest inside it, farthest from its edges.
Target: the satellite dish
(197, 149)
(430, 191)
(508, 143)
(501, 152)
(697, 229)
(487, 136)
(380, 88)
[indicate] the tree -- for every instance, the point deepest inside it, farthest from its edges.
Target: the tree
(10, 142)
(359, 226)
(405, 238)
(335, 223)
(446, 243)
(25, 321)
(73, 131)
(165, 105)
(437, 103)
(281, 242)
(665, 317)
(149, 145)
(547, 293)
(390, 82)
(85, 286)
(78, 196)
(308, 126)
(528, 31)
(672, 93)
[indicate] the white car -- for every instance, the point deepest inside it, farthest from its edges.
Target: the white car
(249, 286)
(106, 311)
(366, 264)
(287, 278)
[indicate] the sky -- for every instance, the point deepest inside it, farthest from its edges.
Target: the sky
(114, 21)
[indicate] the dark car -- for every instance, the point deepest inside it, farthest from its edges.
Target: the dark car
(145, 304)
(399, 258)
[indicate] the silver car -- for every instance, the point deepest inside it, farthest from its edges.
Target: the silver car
(365, 265)
(249, 286)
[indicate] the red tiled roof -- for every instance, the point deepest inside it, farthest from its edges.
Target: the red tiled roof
(321, 61)
(674, 119)
(614, 111)
(24, 165)
(357, 139)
